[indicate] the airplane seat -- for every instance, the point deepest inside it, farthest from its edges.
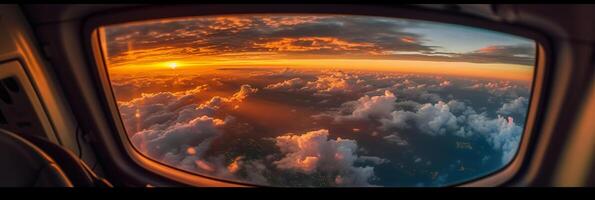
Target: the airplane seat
(79, 173)
(23, 164)
(30, 161)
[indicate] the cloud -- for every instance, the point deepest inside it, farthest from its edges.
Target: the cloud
(313, 152)
(433, 119)
(336, 82)
(161, 119)
(155, 109)
(420, 92)
(312, 44)
(163, 109)
(502, 88)
(440, 118)
(173, 128)
(368, 107)
(255, 170)
(396, 139)
(287, 85)
(215, 102)
(501, 133)
(245, 91)
(280, 21)
(523, 54)
(216, 36)
(178, 139)
(516, 106)
(228, 23)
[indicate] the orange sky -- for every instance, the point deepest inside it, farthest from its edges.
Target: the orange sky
(483, 70)
(193, 45)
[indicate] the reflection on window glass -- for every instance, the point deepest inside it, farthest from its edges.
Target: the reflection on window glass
(321, 100)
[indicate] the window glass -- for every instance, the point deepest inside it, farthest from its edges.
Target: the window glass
(321, 100)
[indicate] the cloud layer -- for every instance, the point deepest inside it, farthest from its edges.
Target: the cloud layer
(439, 119)
(367, 125)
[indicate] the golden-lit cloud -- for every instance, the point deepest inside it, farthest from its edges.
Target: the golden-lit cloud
(488, 49)
(277, 21)
(234, 166)
(312, 44)
(408, 39)
(233, 24)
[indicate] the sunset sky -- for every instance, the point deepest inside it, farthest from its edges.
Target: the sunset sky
(316, 41)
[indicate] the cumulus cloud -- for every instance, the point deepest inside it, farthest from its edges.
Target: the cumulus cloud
(162, 109)
(172, 144)
(433, 119)
(440, 118)
(368, 107)
(314, 152)
(516, 106)
(156, 109)
(245, 91)
(173, 128)
(437, 119)
(501, 133)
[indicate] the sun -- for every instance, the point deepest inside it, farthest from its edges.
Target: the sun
(172, 65)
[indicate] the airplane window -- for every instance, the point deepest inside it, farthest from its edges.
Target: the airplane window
(321, 100)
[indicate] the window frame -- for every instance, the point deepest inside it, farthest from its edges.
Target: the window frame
(131, 155)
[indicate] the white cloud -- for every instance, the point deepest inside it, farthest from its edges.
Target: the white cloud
(501, 133)
(433, 119)
(177, 138)
(516, 106)
(314, 152)
(437, 119)
(368, 107)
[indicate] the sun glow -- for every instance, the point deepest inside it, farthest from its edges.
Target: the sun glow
(172, 65)
(484, 70)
